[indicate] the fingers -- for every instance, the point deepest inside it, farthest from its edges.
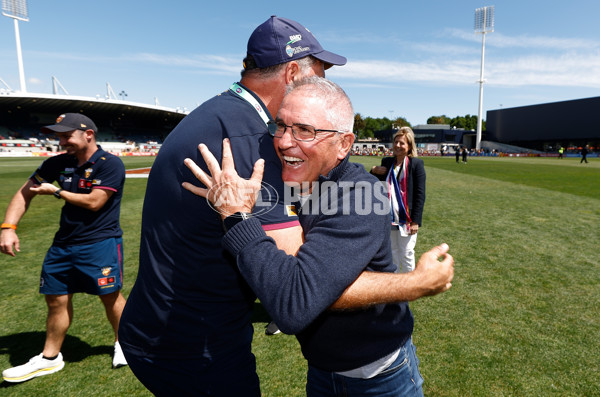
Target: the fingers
(227, 160)
(438, 251)
(7, 247)
(210, 160)
(198, 172)
(258, 171)
(198, 191)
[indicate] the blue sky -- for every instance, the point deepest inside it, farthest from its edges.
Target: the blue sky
(410, 59)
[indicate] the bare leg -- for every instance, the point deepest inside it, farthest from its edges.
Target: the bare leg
(60, 315)
(113, 304)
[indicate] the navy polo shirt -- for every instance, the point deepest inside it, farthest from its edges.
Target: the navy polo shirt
(102, 171)
(189, 300)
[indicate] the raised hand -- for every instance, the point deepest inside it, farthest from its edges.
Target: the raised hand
(227, 192)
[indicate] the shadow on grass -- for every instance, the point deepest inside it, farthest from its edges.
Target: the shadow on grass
(21, 347)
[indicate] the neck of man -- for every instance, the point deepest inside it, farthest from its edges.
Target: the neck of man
(270, 91)
(84, 156)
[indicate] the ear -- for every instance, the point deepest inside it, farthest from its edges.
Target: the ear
(346, 141)
(292, 72)
(89, 135)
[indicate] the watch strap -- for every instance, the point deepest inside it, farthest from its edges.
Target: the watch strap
(234, 219)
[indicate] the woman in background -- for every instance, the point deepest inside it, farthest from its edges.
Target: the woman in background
(404, 175)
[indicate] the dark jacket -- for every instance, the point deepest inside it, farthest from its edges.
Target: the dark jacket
(298, 290)
(415, 185)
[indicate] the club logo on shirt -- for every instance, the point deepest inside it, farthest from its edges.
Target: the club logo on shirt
(290, 209)
(104, 281)
(88, 172)
(85, 184)
(105, 271)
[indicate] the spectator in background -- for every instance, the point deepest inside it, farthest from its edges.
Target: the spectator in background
(584, 153)
(404, 175)
(87, 252)
(457, 153)
(465, 155)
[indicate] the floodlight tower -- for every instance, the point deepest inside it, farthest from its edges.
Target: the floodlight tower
(17, 10)
(484, 23)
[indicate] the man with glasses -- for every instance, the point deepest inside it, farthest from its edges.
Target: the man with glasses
(365, 349)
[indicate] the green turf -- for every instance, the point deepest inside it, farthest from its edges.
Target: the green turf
(522, 319)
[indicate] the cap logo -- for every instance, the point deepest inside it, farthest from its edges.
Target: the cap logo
(291, 51)
(60, 118)
(83, 125)
(294, 38)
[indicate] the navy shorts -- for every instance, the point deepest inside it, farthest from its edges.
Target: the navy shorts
(96, 268)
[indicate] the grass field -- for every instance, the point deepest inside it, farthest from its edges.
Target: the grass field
(522, 318)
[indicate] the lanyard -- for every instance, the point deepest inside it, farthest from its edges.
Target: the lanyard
(242, 93)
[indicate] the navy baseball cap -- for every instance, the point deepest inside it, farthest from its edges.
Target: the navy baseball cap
(71, 121)
(280, 40)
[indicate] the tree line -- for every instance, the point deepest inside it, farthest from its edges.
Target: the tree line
(368, 127)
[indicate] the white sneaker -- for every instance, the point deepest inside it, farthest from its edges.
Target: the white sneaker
(118, 357)
(37, 366)
(272, 329)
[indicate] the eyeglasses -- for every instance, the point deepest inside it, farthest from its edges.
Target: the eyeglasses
(300, 132)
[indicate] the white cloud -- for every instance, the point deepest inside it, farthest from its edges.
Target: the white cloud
(204, 62)
(215, 63)
(564, 68)
(500, 40)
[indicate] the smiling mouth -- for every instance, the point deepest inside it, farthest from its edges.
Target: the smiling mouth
(292, 161)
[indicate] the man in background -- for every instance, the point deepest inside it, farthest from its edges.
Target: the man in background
(87, 252)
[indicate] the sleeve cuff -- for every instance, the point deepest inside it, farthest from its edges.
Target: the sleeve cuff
(241, 234)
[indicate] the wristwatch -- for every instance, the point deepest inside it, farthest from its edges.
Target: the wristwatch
(57, 193)
(234, 219)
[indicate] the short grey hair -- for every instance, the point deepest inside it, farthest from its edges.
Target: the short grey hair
(250, 67)
(337, 105)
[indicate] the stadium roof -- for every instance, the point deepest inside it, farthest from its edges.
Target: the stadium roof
(32, 109)
(54, 103)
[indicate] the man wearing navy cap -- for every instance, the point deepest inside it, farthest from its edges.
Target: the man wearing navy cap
(186, 328)
(87, 252)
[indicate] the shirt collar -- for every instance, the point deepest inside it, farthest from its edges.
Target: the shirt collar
(336, 173)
